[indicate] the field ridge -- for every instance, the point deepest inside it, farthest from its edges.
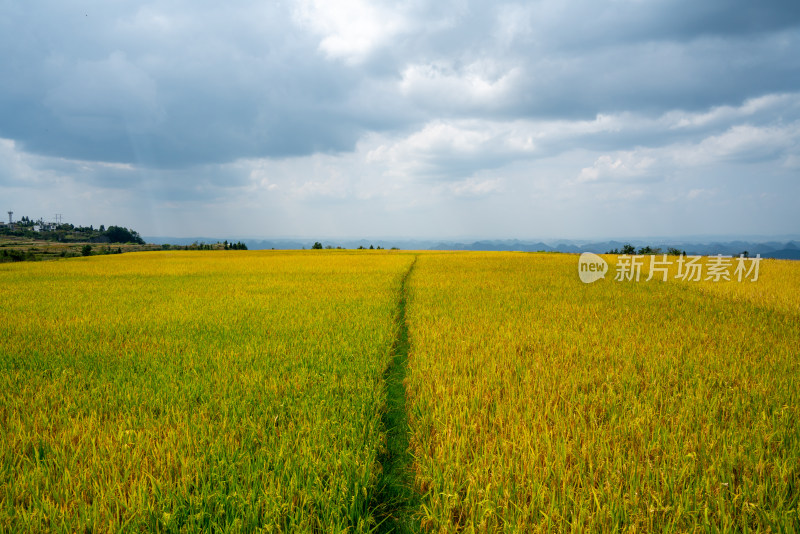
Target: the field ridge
(396, 501)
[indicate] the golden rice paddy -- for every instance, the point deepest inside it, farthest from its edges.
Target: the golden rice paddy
(245, 391)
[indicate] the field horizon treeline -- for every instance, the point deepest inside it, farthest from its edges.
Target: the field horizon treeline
(387, 390)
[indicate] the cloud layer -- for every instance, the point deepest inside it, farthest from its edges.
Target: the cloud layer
(528, 119)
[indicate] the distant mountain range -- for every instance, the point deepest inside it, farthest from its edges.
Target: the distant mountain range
(770, 249)
(767, 249)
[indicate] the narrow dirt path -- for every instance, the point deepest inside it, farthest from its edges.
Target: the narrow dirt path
(396, 501)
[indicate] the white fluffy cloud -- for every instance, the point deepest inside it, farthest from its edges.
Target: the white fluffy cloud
(482, 85)
(352, 29)
(621, 167)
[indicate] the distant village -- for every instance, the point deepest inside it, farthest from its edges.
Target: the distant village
(27, 239)
(66, 232)
(29, 224)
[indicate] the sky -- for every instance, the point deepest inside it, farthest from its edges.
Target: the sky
(423, 119)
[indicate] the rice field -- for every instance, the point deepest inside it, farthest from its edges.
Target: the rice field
(244, 391)
(194, 391)
(539, 403)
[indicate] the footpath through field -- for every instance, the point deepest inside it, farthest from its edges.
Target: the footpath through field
(396, 501)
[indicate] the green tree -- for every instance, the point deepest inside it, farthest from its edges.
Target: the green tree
(317, 246)
(649, 250)
(119, 234)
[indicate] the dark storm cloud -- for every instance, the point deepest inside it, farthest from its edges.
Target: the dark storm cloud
(577, 59)
(192, 83)
(195, 84)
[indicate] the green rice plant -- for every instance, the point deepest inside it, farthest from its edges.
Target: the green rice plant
(181, 391)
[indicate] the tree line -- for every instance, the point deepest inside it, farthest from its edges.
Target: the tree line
(318, 246)
(630, 250)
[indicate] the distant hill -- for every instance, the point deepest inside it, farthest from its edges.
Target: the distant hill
(767, 249)
(785, 254)
(68, 233)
